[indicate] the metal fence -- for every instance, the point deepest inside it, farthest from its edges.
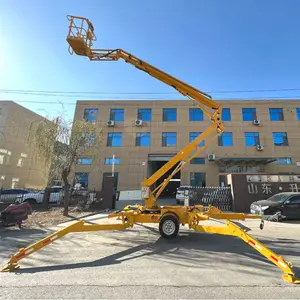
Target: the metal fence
(80, 197)
(219, 197)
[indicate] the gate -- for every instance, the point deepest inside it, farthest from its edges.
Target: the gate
(219, 197)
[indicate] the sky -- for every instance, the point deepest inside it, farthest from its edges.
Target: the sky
(214, 45)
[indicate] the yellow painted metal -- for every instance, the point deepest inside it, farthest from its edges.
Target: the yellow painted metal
(80, 38)
(186, 215)
(234, 230)
(78, 226)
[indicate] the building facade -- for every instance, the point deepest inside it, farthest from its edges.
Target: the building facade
(260, 137)
(19, 166)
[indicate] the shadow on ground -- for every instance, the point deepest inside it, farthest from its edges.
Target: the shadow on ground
(189, 249)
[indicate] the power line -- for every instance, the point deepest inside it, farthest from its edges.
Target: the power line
(75, 94)
(295, 97)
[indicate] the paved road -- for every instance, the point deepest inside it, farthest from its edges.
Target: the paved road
(138, 264)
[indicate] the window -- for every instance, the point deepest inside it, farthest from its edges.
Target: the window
(145, 114)
(117, 115)
(294, 200)
(142, 139)
(283, 161)
(251, 139)
(82, 178)
(225, 139)
(109, 161)
(298, 113)
(196, 114)
(223, 180)
(84, 161)
(169, 114)
(198, 161)
(194, 135)
(114, 139)
(280, 139)
(276, 114)
(226, 115)
(249, 114)
(169, 139)
(197, 179)
(90, 114)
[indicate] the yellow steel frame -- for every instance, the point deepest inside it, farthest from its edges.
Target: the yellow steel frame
(186, 215)
(80, 38)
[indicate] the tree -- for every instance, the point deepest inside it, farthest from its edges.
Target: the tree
(61, 143)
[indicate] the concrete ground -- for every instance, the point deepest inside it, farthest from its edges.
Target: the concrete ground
(138, 264)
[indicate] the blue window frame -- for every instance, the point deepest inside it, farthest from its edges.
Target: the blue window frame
(249, 114)
(276, 114)
(145, 114)
(82, 178)
(169, 139)
(84, 161)
(90, 114)
(225, 139)
(251, 139)
(298, 113)
(196, 114)
(194, 135)
(169, 114)
(117, 114)
(109, 161)
(280, 139)
(198, 161)
(142, 139)
(284, 161)
(114, 139)
(226, 115)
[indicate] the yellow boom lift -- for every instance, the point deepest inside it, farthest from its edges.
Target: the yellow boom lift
(80, 39)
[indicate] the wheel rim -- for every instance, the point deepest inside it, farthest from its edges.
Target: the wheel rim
(169, 227)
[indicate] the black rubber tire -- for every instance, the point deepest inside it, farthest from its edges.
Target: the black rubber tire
(169, 222)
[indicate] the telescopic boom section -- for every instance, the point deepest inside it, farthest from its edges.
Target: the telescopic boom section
(80, 38)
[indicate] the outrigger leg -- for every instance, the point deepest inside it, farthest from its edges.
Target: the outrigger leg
(79, 226)
(234, 230)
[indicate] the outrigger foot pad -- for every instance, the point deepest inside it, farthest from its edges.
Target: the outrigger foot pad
(10, 267)
(291, 278)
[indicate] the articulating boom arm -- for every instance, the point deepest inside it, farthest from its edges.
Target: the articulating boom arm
(80, 38)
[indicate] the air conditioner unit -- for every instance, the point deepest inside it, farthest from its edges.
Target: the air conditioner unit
(138, 122)
(259, 147)
(211, 157)
(256, 122)
(110, 123)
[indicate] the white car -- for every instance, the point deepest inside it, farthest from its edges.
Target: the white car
(37, 198)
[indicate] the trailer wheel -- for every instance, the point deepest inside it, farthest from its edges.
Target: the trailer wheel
(168, 226)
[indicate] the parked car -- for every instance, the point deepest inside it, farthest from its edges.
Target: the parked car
(10, 195)
(37, 197)
(286, 205)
